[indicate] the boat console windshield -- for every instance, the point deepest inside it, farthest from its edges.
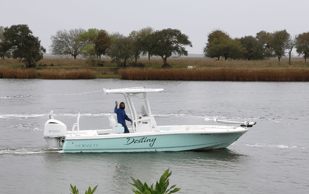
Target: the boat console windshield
(143, 120)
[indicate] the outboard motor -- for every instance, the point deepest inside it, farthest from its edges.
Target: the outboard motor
(54, 133)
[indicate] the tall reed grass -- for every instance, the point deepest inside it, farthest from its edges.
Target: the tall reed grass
(216, 74)
(67, 74)
(17, 73)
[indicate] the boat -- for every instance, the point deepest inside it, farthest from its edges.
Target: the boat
(145, 135)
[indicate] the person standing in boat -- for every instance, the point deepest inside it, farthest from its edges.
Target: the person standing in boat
(122, 116)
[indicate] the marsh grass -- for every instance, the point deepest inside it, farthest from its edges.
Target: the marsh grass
(17, 73)
(47, 73)
(67, 73)
(216, 74)
(205, 69)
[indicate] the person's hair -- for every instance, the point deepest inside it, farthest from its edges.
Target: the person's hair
(121, 103)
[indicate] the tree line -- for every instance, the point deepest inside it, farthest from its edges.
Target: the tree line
(18, 41)
(263, 45)
(94, 43)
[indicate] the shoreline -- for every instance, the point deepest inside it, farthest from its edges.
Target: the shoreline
(180, 74)
(201, 69)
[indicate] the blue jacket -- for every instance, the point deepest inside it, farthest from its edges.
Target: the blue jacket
(121, 115)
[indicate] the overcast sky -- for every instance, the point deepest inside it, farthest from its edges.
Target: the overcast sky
(195, 18)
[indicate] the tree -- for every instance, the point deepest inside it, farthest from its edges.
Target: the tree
(290, 45)
(20, 43)
(1, 34)
(264, 39)
(2, 49)
(253, 47)
(121, 49)
(166, 42)
(302, 44)
(144, 40)
(88, 38)
(102, 43)
(137, 46)
(279, 43)
(64, 43)
(215, 34)
(226, 47)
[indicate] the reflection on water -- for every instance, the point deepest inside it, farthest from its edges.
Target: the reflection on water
(114, 170)
(151, 157)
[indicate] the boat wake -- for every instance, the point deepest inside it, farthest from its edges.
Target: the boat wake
(39, 96)
(107, 114)
(26, 151)
(275, 146)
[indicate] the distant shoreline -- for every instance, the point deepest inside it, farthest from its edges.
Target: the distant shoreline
(266, 75)
(203, 69)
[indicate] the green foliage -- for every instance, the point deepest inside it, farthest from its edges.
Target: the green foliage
(88, 38)
(137, 46)
(302, 44)
(1, 34)
(20, 43)
(74, 190)
(264, 39)
(102, 42)
(93, 61)
(140, 65)
(279, 42)
(254, 49)
(225, 47)
(121, 49)
(64, 43)
(161, 187)
(144, 40)
(3, 50)
(167, 42)
(215, 34)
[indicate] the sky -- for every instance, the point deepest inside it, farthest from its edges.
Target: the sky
(195, 18)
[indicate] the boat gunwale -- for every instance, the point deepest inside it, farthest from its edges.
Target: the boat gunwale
(142, 134)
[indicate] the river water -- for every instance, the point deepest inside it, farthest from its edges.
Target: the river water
(272, 157)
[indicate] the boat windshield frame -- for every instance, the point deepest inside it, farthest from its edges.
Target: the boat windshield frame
(130, 93)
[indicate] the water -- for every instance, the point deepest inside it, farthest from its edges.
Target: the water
(271, 158)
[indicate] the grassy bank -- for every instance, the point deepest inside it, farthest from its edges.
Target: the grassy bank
(205, 69)
(216, 74)
(47, 73)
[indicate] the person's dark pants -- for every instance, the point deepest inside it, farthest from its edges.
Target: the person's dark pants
(126, 130)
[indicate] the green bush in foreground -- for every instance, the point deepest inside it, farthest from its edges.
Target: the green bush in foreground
(160, 188)
(74, 190)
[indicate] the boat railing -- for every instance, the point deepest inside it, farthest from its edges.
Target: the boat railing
(76, 125)
(241, 123)
(51, 115)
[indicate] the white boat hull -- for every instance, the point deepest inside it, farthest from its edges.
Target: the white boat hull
(151, 141)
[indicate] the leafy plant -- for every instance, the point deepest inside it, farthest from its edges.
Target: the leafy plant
(74, 190)
(160, 188)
